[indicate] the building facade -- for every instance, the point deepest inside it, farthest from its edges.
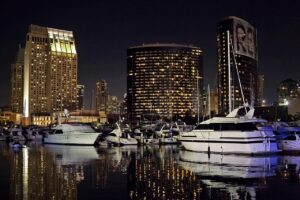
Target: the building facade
(243, 55)
(287, 90)
(101, 96)
(165, 79)
(50, 71)
(16, 82)
(80, 97)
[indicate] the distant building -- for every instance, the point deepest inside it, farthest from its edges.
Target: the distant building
(101, 96)
(260, 91)
(165, 79)
(213, 101)
(16, 82)
(80, 97)
(272, 113)
(113, 105)
(50, 71)
(244, 43)
(287, 90)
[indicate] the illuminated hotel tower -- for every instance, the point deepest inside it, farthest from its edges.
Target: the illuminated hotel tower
(244, 43)
(163, 79)
(16, 82)
(50, 73)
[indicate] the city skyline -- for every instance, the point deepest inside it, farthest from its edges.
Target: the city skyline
(104, 30)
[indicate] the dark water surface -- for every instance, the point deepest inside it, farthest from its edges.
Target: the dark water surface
(150, 172)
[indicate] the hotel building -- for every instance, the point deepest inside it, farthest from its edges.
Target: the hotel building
(243, 42)
(165, 79)
(50, 71)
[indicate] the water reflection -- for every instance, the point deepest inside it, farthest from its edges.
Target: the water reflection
(229, 176)
(289, 168)
(156, 175)
(148, 172)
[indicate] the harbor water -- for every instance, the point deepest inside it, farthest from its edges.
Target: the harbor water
(148, 172)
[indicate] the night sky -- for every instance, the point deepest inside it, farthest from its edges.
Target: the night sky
(104, 29)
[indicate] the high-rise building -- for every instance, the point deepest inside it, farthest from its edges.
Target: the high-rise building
(50, 71)
(16, 82)
(287, 91)
(80, 97)
(113, 105)
(243, 42)
(101, 96)
(260, 91)
(165, 79)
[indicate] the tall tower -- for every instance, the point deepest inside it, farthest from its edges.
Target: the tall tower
(101, 96)
(165, 79)
(260, 92)
(16, 82)
(244, 44)
(80, 97)
(50, 71)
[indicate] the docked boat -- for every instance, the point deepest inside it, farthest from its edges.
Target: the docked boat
(290, 143)
(120, 137)
(166, 133)
(288, 136)
(3, 137)
(72, 134)
(231, 134)
(16, 134)
(32, 133)
(143, 137)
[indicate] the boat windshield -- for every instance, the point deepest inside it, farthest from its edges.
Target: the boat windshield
(248, 126)
(58, 131)
(158, 127)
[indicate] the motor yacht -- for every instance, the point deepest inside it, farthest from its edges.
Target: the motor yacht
(231, 134)
(72, 134)
(289, 139)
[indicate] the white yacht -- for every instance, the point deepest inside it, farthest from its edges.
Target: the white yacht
(73, 134)
(290, 140)
(231, 134)
(120, 137)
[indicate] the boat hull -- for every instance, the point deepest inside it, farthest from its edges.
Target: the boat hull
(72, 138)
(287, 145)
(230, 143)
(121, 141)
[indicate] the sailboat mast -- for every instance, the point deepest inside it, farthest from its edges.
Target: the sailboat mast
(229, 72)
(208, 101)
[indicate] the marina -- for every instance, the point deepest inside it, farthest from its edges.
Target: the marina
(143, 172)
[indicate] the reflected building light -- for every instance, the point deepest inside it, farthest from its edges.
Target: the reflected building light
(25, 173)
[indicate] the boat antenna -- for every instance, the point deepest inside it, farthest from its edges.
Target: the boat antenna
(208, 100)
(229, 71)
(237, 72)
